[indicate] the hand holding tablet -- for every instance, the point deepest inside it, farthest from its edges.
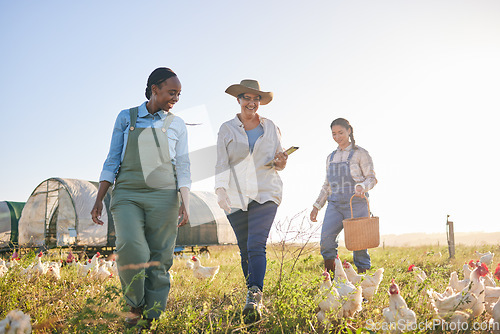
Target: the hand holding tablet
(288, 152)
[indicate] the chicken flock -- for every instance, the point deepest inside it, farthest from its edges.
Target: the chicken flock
(462, 301)
(95, 268)
(339, 297)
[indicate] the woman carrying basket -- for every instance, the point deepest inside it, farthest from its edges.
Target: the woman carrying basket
(349, 171)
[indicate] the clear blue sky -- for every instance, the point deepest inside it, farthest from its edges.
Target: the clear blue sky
(419, 81)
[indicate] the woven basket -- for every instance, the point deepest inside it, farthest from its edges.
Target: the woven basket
(361, 233)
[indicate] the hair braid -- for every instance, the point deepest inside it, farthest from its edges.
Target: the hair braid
(352, 137)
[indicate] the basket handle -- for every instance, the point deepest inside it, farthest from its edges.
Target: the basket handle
(367, 203)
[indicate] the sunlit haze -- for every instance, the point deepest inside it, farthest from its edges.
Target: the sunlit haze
(418, 80)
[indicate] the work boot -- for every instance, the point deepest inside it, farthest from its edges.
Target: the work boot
(330, 266)
(253, 305)
(134, 316)
(362, 270)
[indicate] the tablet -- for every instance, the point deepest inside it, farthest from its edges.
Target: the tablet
(288, 151)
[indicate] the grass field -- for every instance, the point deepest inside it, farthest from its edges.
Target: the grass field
(80, 305)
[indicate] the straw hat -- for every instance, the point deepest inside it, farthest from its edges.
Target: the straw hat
(252, 87)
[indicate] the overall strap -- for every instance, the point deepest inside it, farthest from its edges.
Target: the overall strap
(331, 156)
(166, 123)
(350, 155)
(133, 117)
(168, 120)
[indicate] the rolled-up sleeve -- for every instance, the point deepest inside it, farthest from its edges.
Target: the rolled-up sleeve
(113, 160)
(279, 149)
(222, 172)
(182, 164)
(367, 171)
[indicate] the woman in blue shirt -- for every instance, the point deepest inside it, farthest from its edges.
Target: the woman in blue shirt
(148, 163)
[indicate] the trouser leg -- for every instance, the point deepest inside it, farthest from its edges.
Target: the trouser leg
(239, 223)
(131, 245)
(260, 220)
(162, 212)
(332, 226)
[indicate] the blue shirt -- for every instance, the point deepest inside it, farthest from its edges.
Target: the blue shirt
(253, 135)
(177, 142)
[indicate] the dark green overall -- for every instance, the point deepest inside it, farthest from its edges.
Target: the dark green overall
(145, 208)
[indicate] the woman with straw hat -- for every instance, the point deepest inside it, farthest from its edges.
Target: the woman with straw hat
(148, 163)
(349, 171)
(247, 184)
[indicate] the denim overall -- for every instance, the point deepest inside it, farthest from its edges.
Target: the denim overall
(145, 208)
(342, 188)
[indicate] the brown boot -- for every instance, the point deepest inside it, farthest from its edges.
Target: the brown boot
(330, 266)
(134, 316)
(362, 270)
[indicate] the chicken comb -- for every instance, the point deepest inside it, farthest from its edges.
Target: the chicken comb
(472, 263)
(393, 289)
(410, 268)
(483, 269)
(497, 272)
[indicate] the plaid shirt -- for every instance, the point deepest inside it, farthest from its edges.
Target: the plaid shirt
(361, 167)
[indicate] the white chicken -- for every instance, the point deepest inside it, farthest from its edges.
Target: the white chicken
(112, 267)
(486, 258)
(456, 284)
(39, 268)
(16, 322)
(189, 264)
(491, 295)
(419, 273)
(89, 268)
(488, 279)
(328, 300)
(472, 297)
(467, 270)
(201, 272)
(454, 319)
(351, 296)
(398, 313)
(3, 268)
(102, 272)
(459, 301)
(495, 318)
(448, 292)
(369, 283)
(54, 270)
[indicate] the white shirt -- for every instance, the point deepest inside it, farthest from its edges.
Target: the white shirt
(245, 175)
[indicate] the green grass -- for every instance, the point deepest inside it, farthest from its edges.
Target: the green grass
(79, 305)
